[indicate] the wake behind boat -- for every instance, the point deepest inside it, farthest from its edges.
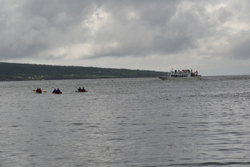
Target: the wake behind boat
(183, 74)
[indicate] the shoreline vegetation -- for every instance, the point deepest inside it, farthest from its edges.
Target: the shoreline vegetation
(26, 72)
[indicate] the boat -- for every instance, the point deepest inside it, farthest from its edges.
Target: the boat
(81, 91)
(57, 91)
(38, 90)
(181, 74)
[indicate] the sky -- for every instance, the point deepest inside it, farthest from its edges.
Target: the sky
(210, 36)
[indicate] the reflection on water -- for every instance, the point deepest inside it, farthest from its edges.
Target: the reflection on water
(126, 122)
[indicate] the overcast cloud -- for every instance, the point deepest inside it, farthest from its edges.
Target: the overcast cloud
(210, 36)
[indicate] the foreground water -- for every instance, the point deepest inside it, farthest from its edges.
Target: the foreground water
(126, 122)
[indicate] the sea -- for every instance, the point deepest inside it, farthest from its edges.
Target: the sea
(126, 122)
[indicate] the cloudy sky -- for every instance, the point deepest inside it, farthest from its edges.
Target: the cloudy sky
(211, 36)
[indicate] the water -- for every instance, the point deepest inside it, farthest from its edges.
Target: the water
(126, 123)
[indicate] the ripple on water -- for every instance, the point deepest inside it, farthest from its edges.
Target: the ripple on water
(153, 123)
(213, 163)
(77, 124)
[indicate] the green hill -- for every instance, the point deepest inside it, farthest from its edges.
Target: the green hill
(14, 71)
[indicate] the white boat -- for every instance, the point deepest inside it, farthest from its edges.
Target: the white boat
(181, 74)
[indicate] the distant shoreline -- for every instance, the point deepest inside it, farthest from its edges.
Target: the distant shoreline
(27, 72)
(4, 78)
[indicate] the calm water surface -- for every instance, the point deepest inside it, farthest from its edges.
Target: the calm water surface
(126, 123)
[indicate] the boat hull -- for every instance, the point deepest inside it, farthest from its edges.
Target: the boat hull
(57, 93)
(179, 78)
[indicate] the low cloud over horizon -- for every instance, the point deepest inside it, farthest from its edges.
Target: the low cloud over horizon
(209, 36)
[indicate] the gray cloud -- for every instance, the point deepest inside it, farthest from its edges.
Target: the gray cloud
(95, 29)
(241, 49)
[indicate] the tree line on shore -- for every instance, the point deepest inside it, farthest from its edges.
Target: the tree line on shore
(16, 71)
